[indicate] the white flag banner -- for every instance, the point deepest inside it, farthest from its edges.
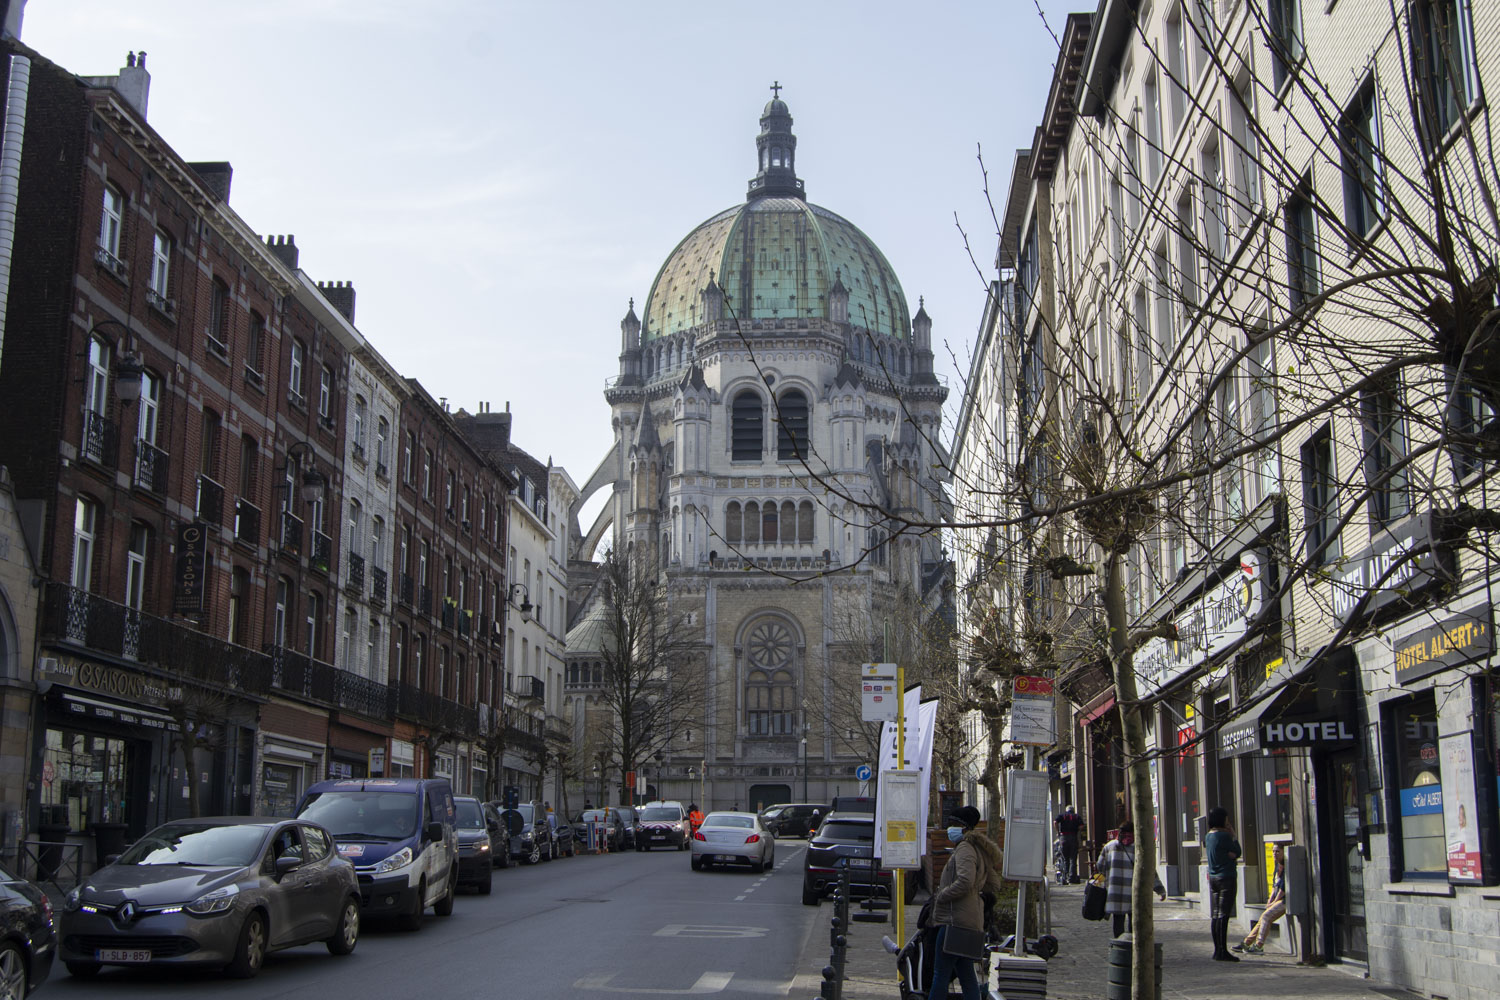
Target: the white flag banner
(921, 725)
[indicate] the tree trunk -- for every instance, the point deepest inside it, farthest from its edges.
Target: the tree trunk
(189, 755)
(1138, 772)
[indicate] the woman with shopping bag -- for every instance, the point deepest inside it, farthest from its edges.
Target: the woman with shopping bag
(1117, 865)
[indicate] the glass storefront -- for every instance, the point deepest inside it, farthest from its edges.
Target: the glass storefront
(281, 787)
(86, 779)
(1415, 773)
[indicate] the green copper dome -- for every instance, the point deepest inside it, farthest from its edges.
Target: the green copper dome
(776, 256)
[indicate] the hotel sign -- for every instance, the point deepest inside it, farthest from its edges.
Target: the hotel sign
(1403, 562)
(1216, 621)
(1461, 639)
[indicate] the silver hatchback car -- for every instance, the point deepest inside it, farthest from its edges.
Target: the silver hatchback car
(225, 891)
(733, 838)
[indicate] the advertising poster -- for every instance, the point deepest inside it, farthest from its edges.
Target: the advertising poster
(1460, 810)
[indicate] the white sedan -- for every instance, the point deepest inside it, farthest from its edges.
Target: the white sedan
(733, 838)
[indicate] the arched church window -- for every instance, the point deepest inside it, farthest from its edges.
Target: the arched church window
(752, 522)
(768, 522)
(747, 419)
(770, 690)
(805, 522)
(791, 430)
(788, 522)
(732, 523)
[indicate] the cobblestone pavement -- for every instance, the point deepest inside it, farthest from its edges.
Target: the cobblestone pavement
(1079, 970)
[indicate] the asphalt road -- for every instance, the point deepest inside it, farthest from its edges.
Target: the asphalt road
(618, 925)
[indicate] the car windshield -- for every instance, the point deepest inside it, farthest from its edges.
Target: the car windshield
(470, 815)
(860, 833)
(723, 819)
(658, 815)
(592, 816)
(368, 815)
(525, 813)
(198, 844)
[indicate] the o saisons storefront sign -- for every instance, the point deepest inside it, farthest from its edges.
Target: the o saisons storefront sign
(100, 679)
(1217, 620)
(1401, 564)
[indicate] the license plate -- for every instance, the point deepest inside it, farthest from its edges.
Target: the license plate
(729, 857)
(859, 862)
(122, 956)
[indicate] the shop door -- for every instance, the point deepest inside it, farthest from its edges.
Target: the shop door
(1344, 858)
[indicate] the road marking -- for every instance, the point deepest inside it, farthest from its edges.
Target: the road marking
(717, 931)
(709, 982)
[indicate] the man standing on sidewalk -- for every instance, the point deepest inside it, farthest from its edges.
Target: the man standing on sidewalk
(1068, 826)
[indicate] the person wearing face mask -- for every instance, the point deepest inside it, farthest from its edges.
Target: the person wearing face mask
(957, 910)
(1117, 862)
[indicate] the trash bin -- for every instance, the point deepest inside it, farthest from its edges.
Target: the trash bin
(1120, 950)
(109, 838)
(49, 858)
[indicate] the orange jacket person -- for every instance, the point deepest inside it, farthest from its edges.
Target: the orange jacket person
(694, 816)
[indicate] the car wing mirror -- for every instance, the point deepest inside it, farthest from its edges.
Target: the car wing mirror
(434, 832)
(287, 864)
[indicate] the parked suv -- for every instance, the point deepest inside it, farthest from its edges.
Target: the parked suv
(798, 819)
(476, 845)
(531, 838)
(663, 824)
(398, 833)
(631, 822)
(844, 840)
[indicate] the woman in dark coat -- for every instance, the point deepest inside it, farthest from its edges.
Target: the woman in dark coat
(1223, 853)
(973, 868)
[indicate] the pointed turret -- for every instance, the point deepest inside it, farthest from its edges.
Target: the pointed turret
(921, 336)
(630, 348)
(838, 299)
(776, 152)
(713, 300)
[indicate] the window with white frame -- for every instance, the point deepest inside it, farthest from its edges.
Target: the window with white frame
(1152, 98)
(325, 394)
(149, 407)
(373, 666)
(1187, 254)
(1177, 66)
(112, 221)
(1263, 417)
(135, 565)
(1382, 415)
(1442, 58)
(314, 604)
(356, 525)
(96, 398)
(294, 375)
(382, 444)
(1303, 273)
(1364, 175)
(1246, 148)
(1284, 36)
(1215, 209)
(351, 629)
(161, 268)
(281, 614)
(377, 541)
(357, 432)
(85, 532)
(1165, 307)
(1319, 498)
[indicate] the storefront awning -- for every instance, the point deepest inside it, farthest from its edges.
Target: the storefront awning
(1093, 713)
(1311, 703)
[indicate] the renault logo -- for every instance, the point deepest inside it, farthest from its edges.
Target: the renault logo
(126, 912)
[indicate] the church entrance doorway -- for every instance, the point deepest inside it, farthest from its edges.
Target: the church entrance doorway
(764, 796)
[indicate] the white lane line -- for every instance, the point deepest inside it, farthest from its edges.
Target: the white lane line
(709, 982)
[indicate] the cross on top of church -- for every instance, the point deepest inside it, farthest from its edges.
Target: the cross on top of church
(776, 88)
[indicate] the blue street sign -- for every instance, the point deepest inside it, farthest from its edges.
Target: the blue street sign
(862, 772)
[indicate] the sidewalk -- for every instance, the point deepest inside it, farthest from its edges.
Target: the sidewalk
(1079, 971)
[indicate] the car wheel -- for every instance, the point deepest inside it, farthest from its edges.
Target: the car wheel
(444, 906)
(346, 935)
(250, 953)
(83, 970)
(534, 856)
(12, 973)
(757, 866)
(810, 896)
(488, 885)
(411, 920)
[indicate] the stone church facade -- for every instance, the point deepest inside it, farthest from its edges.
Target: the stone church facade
(775, 399)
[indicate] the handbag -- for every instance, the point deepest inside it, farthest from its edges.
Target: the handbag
(963, 941)
(1094, 896)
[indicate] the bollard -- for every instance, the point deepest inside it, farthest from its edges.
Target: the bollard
(1118, 986)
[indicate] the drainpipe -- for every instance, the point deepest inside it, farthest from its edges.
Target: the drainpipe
(10, 174)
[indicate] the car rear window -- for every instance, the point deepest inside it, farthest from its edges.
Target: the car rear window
(743, 822)
(863, 833)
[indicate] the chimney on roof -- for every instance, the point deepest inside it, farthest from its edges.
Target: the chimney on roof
(340, 295)
(284, 249)
(215, 176)
(134, 83)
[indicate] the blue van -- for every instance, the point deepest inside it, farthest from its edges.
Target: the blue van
(398, 834)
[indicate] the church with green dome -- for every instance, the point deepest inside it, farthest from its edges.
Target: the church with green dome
(775, 402)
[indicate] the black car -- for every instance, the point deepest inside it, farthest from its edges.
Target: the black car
(476, 849)
(531, 838)
(611, 822)
(844, 840)
(564, 840)
(28, 938)
(798, 819)
(629, 820)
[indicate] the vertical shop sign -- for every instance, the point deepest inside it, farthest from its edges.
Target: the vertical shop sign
(1461, 810)
(191, 569)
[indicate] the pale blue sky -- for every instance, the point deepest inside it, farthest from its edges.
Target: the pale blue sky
(498, 179)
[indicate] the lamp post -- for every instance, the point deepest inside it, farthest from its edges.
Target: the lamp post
(129, 370)
(804, 769)
(525, 605)
(658, 759)
(314, 483)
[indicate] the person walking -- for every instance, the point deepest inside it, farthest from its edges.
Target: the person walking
(1068, 826)
(695, 818)
(1255, 941)
(1223, 852)
(957, 910)
(1117, 864)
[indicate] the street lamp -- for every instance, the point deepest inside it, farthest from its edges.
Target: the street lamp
(659, 793)
(510, 598)
(314, 483)
(129, 370)
(804, 769)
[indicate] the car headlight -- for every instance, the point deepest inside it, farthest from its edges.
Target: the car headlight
(482, 847)
(526, 836)
(217, 901)
(74, 899)
(396, 861)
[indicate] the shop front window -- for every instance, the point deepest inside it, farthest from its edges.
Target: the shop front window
(84, 780)
(1418, 833)
(281, 787)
